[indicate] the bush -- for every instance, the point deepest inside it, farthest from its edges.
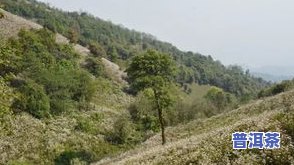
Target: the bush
(5, 97)
(95, 66)
(72, 157)
(1, 15)
(142, 112)
(97, 50)
(123, 132)
(33, 100)
(89, 125)
(277, 88)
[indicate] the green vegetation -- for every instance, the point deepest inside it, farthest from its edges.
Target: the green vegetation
(122, 44)
(5, 98)
(277, 88)
(47, 74)
(34, 100)
(46, 103)
(218, 98)
(97, 50)
(153, 71)
(1, 15)
(95, 66)
(208, 141)
(69, 110)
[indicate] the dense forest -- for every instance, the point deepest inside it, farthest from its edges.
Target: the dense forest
(120, 44)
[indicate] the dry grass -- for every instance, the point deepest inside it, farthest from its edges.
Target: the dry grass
(11, 24)
(209, 141)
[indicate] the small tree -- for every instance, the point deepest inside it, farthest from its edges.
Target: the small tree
(219, 98)
(73, 36)
(97, 50)
(154, 71)
(112, 53)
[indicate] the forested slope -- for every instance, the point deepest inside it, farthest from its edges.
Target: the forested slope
(119, 44)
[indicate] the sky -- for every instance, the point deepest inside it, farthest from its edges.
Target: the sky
(250, 33)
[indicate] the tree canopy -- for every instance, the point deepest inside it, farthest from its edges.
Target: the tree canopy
(122, 44)
(155, 71)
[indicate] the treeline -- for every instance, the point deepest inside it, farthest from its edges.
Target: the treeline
(120, 44)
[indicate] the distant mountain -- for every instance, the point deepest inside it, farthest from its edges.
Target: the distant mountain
(287, 71)
(271, 77)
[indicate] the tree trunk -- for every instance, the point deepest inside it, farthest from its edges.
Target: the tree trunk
(160, 117)
(162, 126)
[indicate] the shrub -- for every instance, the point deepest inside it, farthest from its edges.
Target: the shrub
(95, 66)
(97, 50)
(1, 15)
(33, 100)
(5, 97)
(123, 132)
(277, 88)
(71, 157)
(287, 123)
(89, 125)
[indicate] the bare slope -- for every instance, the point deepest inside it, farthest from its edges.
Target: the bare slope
(11, 24)
(209, 141)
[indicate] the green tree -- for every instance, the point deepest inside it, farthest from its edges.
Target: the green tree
(112, 53)
(155, 71)
(219, 98)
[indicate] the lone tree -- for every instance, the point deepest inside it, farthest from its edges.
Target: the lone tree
(155, 71)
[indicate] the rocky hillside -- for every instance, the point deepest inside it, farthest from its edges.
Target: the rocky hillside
(209, 141)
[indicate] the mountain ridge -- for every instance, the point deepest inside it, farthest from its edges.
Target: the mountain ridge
(121, 44)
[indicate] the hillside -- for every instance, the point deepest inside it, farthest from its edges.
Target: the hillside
(121, 44)
(61, 121)
(11, 24)
(65, 99)
(69, 129)
(209, 141)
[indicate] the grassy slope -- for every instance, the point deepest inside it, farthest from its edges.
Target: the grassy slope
(209, 141)
(197, 93)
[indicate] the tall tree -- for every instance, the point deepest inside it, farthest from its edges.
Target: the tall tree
(155, 71)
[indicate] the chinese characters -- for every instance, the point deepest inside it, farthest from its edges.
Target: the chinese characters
(259, 140)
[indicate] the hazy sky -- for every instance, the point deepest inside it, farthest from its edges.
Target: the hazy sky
(246, 32)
